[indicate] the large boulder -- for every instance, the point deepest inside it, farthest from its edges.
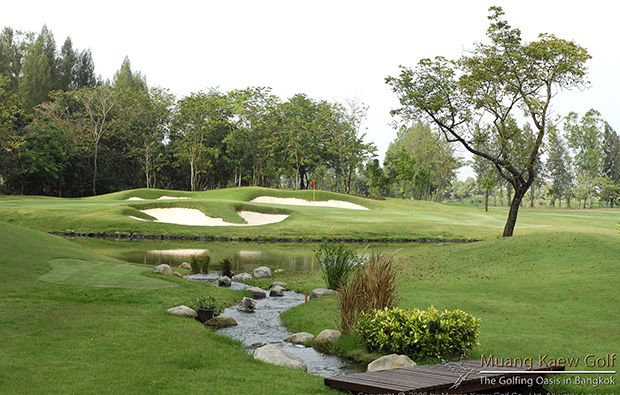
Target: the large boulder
(183, 311)
(276, 356)
(185, 265)
(241, 277)
(221, 321)
(392, 361)
(326, 337)
(262, 272)
(276, 291)
(224, 281)
(320, 292)
(247, 305)
(300, 338)
(278, 284)
(163, 269)
(256, 292)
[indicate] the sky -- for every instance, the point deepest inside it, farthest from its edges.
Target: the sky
(331, 50)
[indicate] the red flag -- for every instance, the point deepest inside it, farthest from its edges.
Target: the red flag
(312, 185)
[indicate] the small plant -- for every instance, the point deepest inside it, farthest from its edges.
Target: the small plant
(420, 333)
(338, 262)
(200, 263)
(206, 303)
(226, 267)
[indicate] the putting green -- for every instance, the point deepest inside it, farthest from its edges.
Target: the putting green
(101, 274)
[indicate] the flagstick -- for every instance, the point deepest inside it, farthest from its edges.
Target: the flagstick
(313, 194)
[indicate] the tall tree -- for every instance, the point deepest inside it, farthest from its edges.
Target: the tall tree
(84, 74)
(13, 48)
(488, 86)
(127, 79)
(558, 168)
(98, 104)
(400, 165)
(66, 65)
(38, 71)
(585, 137)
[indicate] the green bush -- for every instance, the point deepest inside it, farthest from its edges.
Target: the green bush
(420, 333)
(226, 267)
(338, 262)
(200, 263)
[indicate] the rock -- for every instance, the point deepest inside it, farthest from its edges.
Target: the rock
(183, 311)
(221, 321)
(163, 269)
(278, 284)
(326, 337)
(256, 292)
(224, 281)
(177, 274)
(392, 361)
(276, 356)
(262, 272)
(247, 304)
(185, 265)
(300, 338)
(320, 292)
(276, 291)
(241, 277)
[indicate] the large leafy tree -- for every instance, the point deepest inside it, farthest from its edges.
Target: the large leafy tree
(13, 48)
(585, 137)
(558, 168)
(39, 74)
(487, 90)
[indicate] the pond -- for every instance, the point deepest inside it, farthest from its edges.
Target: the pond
(246, 256)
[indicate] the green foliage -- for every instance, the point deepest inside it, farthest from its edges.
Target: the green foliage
(338, 262)
(372, 287)
(208, 303)
(420, 333)
(200, 263)
(226, 267)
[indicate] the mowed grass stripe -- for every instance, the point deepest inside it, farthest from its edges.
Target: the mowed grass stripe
(101, 274)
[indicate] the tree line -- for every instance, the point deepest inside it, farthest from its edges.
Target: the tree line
(67, 132)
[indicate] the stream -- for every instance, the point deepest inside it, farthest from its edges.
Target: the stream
(264, 326)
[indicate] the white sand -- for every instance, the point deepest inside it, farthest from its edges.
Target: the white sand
(159, 198)
(178, 252)
(301, 202)
(190, 216)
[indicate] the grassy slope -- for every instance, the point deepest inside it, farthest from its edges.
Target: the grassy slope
(392, 218)
(554, 294)
(73, 338)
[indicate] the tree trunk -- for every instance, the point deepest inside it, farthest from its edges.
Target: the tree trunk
(514, 211)
(486, 200)
(95, 171)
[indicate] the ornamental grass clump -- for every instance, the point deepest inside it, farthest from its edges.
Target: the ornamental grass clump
(419, 333)
(372, 287)
(200, 263)
(338, 262)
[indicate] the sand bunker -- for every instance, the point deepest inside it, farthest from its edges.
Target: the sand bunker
(190, 216)
(178, 252)
(301, 202)
(159, 198)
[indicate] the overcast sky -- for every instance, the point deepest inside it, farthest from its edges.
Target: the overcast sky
(332, 50)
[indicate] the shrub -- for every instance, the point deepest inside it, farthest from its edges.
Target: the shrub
(420, 333)
(200, 263)
(338, 262)
(226, 267)
(206, 302)
(372, 287)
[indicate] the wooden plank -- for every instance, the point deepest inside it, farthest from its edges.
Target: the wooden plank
(430, 378)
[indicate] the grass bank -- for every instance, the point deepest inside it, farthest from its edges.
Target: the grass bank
(72, 321)
(546, 294)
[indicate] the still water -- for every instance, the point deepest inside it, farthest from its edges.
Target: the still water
(246, 256)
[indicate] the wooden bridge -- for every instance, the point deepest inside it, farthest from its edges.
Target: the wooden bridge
(450, 378)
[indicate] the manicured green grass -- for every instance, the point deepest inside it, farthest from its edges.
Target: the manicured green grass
(551, 289)
(548, 294)
(388, 219)
(62, 333)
